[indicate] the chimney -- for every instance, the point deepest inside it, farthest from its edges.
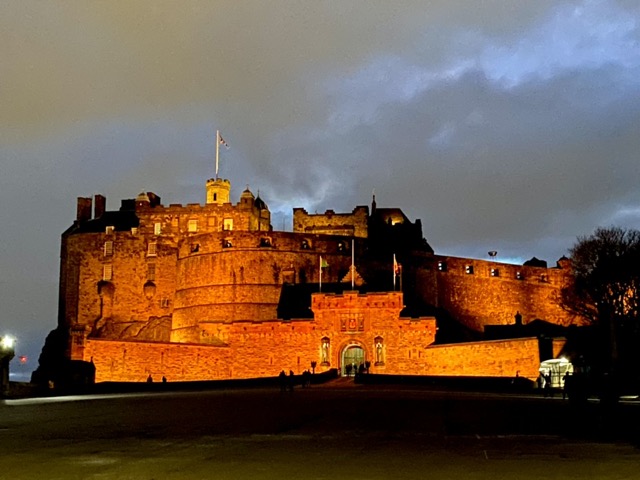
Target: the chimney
(84, 209)
(99, 205)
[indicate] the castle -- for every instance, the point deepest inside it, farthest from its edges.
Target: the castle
(200, 292)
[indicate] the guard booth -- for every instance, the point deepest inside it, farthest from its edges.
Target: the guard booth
(557, 368)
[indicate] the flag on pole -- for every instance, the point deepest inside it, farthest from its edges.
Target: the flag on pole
(323, 264)
(396, 270)
(219, 141)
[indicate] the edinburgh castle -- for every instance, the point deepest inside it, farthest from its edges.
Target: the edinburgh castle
(202, 292)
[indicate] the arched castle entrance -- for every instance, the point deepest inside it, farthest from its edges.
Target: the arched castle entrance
(352, 357)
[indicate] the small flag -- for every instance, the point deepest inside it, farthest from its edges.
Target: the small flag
(222, 142)
(397, 268)
(323, 263)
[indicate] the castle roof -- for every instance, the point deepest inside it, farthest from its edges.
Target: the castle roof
(121, 220)
(259, 203)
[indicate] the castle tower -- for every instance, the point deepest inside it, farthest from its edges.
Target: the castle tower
(218, 191)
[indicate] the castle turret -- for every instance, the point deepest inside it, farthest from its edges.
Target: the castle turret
(218, 191)
(246, 199)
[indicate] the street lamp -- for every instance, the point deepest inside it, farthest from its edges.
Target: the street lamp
(7, 343)
(7, 352)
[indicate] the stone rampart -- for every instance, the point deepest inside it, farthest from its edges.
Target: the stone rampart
(330, 223)
(479, 292)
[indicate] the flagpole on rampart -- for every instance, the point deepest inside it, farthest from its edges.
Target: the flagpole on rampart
(394, 272)
(217, 151)
(353, 264)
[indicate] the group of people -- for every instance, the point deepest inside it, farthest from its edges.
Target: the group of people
(545, 382)
(287, 382)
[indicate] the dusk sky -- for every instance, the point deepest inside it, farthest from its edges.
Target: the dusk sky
(503, 125)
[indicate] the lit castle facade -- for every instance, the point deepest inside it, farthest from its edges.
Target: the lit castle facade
(201, 292)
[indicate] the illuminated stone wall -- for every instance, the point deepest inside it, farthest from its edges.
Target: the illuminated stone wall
(331, 223)
(496, 358)
(494, 292)
(258, 350)
(132, 303)
(241, 282)
(250, 349)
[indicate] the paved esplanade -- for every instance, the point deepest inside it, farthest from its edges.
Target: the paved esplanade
(325, 432)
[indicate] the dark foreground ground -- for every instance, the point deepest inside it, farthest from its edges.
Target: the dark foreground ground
(333, 431)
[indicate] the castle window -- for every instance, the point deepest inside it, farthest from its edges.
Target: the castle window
(157, 228)
(468, 269)
(109, 230)
(265, 242)
(543, 278)
(227, 244)
(227, 224)
(107, 272)
(305, 245)
(151, 271)
(215, 197)
(108, 248)
(519, 276)
(195, 247)
(164, 302)
(442, 266)
(495, 272)
(342, 247)
(134, 230)
(192, 226)
(152, 249)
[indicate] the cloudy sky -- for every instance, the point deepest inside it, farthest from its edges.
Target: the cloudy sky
(503, 125)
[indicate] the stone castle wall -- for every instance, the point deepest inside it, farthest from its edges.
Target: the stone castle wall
(175, 219)
(264, 350)
(354, 224)
(497, 358)
(139, 289)
(494, 292)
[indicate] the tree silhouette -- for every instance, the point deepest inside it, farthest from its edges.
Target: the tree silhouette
(605, 287)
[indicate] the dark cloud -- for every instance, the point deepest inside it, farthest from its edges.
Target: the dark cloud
(509, 126)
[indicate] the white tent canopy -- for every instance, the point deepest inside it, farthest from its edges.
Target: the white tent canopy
(557, 368)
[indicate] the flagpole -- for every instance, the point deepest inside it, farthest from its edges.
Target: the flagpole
(353, 265)
(320, 290)
(217, 151)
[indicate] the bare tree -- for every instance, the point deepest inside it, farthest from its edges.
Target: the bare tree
(606, 283)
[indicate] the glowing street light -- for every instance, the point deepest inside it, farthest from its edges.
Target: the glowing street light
(6, 354)
(7, 342)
